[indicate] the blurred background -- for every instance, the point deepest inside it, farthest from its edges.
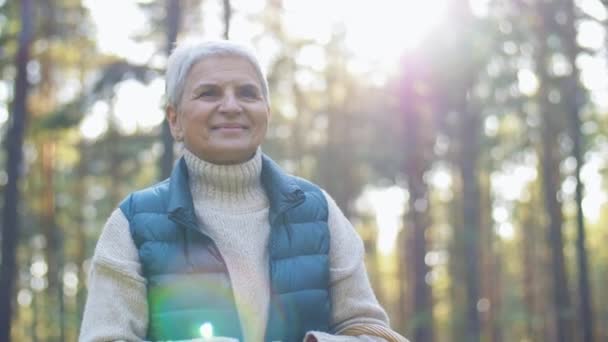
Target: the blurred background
(465, 140)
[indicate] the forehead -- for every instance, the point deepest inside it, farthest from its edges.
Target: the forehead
(222, 69)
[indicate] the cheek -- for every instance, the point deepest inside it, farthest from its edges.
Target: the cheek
(262, 124)
(197, 119)
(262, 117)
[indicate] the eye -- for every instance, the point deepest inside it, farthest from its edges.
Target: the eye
(210, 92)
(249, 92)
(207, 93)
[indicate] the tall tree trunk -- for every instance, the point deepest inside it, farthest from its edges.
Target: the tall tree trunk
(533, 277)
(456, 261)
(114, 158)
(298, 146)
(491, 267)
(527, 244)
(551, 180)
(46, 147)
(469, 140)
(173, 28)
(14, 149)
(414, 107)
(551, 177)
(466, 135)
(574, 102)
(82, 252)
(404, 274)
(35, 317)
(468, 165)
(336, 166)
(418, 226)
(52, 237)
(227, 17)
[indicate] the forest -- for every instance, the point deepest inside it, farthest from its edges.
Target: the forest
(465, 140)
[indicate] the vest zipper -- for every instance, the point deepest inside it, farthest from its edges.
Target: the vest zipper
(296, 202)
(283, 215)
(215, 251)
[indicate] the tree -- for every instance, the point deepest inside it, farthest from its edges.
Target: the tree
(14, 145)
(416, 99)
(574, 102)
(173, 20)
(459, 95)
(227, 17)
(551, 177)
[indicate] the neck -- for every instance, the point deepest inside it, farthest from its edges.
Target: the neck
(234, 187)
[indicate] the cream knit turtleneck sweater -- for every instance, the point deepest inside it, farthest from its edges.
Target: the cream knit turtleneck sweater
(232, 209)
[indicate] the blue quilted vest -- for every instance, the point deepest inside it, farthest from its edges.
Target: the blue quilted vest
(188, 283)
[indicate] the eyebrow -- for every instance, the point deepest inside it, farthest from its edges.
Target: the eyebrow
(249, 86)
(204, 85)
(211, 85)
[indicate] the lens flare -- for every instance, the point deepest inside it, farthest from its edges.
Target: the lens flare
(206, 330)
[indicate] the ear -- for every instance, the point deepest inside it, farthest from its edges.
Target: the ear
(174, 123)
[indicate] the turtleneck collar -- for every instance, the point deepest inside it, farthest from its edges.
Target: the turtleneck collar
(235, 187)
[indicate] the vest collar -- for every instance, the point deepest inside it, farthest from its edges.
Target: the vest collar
(281, 189)
(180, 206)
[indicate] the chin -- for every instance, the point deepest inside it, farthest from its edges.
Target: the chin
(234, 156)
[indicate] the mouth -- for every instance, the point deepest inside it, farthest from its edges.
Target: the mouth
(229, 127)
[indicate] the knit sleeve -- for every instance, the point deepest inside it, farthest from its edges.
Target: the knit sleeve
(356, 313)
(116, 308)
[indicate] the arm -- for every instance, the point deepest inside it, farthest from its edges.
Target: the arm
(356, 313)
(117, 305)
(116, 308)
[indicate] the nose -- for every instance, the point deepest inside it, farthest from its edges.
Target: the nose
(230, 104)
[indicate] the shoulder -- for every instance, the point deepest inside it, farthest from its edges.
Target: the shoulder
(150, 199)
(312, 202)
(115, 248)
(311, 189)
(278, 183)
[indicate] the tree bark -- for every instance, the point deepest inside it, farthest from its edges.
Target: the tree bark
(173, 28)
(336, 166)
(574, 101)
(469, 141)
(14, 147)
(417, 223)
(81, 252)
(470, 201)
(551, 180)
(227, 17)
(491, 264)
(533, 276)
(52, 235)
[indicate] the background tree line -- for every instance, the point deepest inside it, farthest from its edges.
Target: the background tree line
(474, 170)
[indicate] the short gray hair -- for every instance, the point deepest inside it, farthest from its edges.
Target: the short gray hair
(185, 55)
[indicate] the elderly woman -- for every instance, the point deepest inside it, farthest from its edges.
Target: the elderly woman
(230, 247)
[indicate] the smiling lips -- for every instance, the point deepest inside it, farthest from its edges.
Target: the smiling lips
(229, 127)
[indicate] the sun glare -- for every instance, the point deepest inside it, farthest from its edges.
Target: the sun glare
(595, 199)
(96, 123)
(133, 113)
(511, 183)
(387, 205)
(115, 29)
(376, 33)
(206, 330)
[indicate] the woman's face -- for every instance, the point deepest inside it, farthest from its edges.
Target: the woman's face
(222, 117)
